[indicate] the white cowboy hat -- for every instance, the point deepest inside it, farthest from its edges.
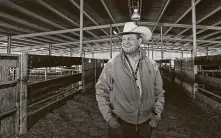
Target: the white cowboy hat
(131, 28)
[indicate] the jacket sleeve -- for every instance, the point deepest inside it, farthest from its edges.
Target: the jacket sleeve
(102, 92)
(159, 94)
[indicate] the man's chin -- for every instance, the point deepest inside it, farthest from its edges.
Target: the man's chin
(128, 52)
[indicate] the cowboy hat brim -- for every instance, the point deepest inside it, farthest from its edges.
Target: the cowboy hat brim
(143, 31)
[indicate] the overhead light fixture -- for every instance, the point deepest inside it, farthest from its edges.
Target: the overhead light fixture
(135, 16)
(115, 32)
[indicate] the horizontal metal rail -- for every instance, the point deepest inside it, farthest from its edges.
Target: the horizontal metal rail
(8, 82)
(209, 71)
(8, 112)
(208, 92)
(51, 97)
(42, 108)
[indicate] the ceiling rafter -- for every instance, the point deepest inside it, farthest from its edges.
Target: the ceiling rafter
(108, 11)
(62, 15)
(107, 26)
(6, 25)
(26, 23)
(182, 16)
(87, 15)
(34, 15)
(202, 19)
(161, 13)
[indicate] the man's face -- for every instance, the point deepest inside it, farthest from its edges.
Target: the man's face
(130, 43)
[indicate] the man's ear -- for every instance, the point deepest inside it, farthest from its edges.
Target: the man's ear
(140, 41)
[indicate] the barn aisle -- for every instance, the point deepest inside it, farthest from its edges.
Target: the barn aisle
(80, 118)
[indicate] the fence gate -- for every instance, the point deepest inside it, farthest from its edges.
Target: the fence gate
(9, 95)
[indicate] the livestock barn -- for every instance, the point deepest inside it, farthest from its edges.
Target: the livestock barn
(52, 53)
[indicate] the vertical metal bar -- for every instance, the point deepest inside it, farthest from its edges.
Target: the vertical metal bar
(83, 74)
(46, 73)
(9, 45)
(81, 27)
(83, 53)
(207, 51)
(48, 69)
(148, 49)
(194, 43)
(152, 48)
(49, 52)
(182, 54)
(92, 54)
(110, 41)
(71, 52)
(161, 40)
(23, 93)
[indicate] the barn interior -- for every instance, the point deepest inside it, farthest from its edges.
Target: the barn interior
(52, 53)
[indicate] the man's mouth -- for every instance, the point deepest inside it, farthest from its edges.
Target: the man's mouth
(127, 46)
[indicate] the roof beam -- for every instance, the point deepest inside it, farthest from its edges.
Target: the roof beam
(6, 25)
(182, 16)
(18, 20)
(108, 11)
(115, 38)
(87, 15)
(161, 14)
(34, 15)
(62, 15)
(107, 26)
(201, 31)
(202, 19)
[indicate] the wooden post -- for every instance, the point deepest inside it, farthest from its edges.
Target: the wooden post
(9, 45)
(81, 27)
(194, 43)
(110, 41)
(23, 93)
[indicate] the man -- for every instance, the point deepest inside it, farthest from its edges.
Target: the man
(129, 91)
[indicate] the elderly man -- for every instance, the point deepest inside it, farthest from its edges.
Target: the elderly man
(129, 91)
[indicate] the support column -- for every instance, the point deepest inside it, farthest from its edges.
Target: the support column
(207, 51)
(161, 40)
(152, 48)
(110, 41)
(83, 53)
(23, 93)
(50, 46)
(71, 52)
(9, 45)
(81, 27)
(194, 42)
(92, 54)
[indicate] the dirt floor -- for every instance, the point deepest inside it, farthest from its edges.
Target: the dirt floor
(80, 118)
